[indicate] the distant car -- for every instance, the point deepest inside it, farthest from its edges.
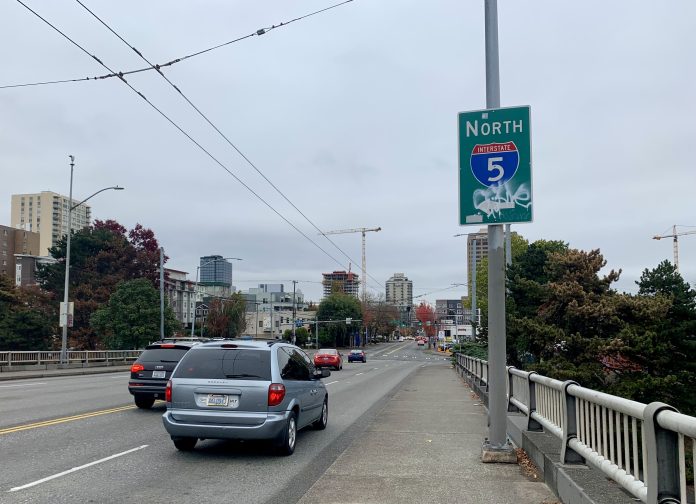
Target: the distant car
(357, 356)
(328, 357)
(236, 389)
(421, 342)
(401, 338)
(151, 371)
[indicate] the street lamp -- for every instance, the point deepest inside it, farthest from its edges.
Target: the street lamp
(195, 289)
(71, 207)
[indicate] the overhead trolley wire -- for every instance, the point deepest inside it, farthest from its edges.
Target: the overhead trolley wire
(159, 66)
(180, 130)
(225, 137)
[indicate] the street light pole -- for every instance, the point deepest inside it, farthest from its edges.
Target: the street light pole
(65, 310)
(64, 314)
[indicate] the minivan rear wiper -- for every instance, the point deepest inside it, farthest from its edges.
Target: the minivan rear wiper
(243, 375)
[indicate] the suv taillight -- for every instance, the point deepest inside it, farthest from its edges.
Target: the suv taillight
(168, 392)
(136, 368)
(276, 394)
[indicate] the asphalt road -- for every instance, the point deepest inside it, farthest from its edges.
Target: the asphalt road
(80, 439)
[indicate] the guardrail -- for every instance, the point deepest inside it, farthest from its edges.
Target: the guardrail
(24, 358)
(642, 447)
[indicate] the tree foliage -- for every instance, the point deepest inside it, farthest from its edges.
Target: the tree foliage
(565, 320)
(101, 256)
(27, 321)
(131, 318)
(302, 335)
(379, 317)
(339, 307)
(226, 317)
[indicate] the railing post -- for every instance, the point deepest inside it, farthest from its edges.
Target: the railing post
(511, 392)
(570, 427)
(532, 425)
(662, 473)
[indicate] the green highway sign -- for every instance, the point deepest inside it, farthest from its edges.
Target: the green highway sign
(495, 166)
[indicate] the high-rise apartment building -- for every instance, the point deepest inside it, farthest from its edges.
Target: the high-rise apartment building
(399, 290)
(46, 213)
(15, 241)
(344, 282)
(476, 244)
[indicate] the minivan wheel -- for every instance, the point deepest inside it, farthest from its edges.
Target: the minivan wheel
(144, 402)
(324, 418)
(185, 443)
(288, 437)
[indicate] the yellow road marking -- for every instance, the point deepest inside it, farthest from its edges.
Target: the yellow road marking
(57, 421)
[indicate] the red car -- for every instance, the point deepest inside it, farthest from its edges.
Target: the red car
(328, 357)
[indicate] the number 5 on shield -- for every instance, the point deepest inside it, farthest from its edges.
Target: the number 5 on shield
(492, 166)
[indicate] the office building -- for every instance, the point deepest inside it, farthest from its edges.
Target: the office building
(46, 213)
(344, 282)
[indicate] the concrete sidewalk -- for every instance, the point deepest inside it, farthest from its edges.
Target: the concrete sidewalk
(425, 447)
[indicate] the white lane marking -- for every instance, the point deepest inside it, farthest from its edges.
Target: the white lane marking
(332, 382)
(358, 374)
(49, 478)
(375, 368)
(23, 385)
(120, 377)
(396, 349)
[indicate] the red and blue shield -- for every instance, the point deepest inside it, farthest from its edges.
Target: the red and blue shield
(494, 164)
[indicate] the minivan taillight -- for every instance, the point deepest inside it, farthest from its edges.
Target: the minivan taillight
(276, 394)
(168, 392)
(136, 368)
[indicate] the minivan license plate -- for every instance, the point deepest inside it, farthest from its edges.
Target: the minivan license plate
(217, 400)
(159, 374)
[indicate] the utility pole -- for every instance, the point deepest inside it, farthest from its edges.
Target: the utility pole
(496, 448)
(161, 251)
(294, 312)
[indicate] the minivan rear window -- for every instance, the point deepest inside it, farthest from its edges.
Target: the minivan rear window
(162, 355)
(220, 364)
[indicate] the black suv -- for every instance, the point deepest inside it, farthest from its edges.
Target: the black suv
(151, 371)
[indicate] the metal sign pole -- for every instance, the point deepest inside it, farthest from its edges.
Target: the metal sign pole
(495, 448)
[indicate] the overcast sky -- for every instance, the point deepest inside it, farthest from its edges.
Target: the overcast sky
(352, 114)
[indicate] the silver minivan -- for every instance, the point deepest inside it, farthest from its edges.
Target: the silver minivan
(234, 389)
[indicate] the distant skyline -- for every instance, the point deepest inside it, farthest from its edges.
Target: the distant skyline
(352, 114)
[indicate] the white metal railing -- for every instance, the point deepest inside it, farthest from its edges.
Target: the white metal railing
(22, 358)
(643, 447)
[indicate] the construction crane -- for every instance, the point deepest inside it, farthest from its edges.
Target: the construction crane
(674, 236)
(364, 267)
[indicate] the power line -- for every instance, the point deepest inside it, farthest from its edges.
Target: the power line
(181, 130)
(225, 137)
(159, 66)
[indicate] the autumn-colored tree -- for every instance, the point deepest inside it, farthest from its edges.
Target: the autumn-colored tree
(425, 314)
